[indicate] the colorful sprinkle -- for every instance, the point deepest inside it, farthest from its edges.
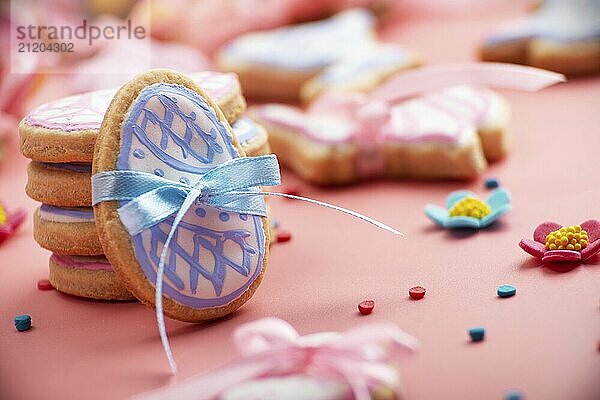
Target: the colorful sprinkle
(506, 290)
(23, 322)
(513, 395)
(477, 334)
(44, 284)
(417, 292)
(283, 236)
(491, 183)
(275, 223)
(365, 307)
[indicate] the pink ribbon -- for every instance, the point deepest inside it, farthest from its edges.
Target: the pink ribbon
(270, 347)
(371, 112)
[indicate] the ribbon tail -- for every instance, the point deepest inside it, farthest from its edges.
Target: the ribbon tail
(498, 75)
(160, 317)
(354, 214)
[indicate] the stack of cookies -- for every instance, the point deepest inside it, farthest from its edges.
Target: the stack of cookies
(59, 138)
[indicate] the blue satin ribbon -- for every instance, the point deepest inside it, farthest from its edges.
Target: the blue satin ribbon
(232, 186)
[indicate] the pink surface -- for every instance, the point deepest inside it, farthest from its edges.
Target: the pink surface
(543, 341)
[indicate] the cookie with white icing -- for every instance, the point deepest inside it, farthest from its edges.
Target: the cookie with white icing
(276, 64)
(224, 254)
(362, 69)
(560, 35)
(443, 134)
(65, 130)
(89, 277)
(69, 184)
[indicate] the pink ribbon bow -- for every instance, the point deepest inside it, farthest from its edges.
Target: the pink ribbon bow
(270, 347)
(371, 112)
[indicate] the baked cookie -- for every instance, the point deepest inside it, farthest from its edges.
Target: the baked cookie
(361, 70)
(65, 130)
(560, 35)
(60, 184)
(69, 184)
(277, 64)
(91, 277)
(69, 231)
(217, 258)
(443, 134)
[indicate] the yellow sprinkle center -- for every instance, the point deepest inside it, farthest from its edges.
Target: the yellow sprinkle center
(567, 238)
(2, 215)
(470, 207)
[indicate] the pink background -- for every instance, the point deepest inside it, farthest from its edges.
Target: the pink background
(544, 341)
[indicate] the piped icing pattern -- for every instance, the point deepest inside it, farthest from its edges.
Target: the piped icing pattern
(306, 46)
(91, 263)
(451, 115)
(86, 111)
(556, 20)
(66, 215)
(215, 256)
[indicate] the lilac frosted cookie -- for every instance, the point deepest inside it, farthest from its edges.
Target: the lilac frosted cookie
(90, 277)
(211, 250)
(65, 130)
(560, 35)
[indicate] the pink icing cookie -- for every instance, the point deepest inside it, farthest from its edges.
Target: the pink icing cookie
(65, 130)
(442, 134)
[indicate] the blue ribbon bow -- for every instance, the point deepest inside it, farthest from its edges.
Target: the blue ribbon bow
(231, 186)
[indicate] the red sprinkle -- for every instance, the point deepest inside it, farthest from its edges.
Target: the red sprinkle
(283, 236)
(365, 307)
(417, 292)
(44, 284)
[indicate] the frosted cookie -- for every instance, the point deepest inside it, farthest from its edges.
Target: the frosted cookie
(560, 35)
(216, 258)
(66, 230)
(361, 70)
(65, 130)
(438, 135)
(69, 184)
(60, 184)
(275, 64)
(91, 277)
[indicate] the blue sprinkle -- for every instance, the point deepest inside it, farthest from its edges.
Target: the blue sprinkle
(224, 217)
(201, 212)
(159, 172)
(244, 217)
(139, 153)
(275, 223)
(477, 334)
(506, 290)
(23, 322)
(491, 183)
(185, 180)
(513, 395)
